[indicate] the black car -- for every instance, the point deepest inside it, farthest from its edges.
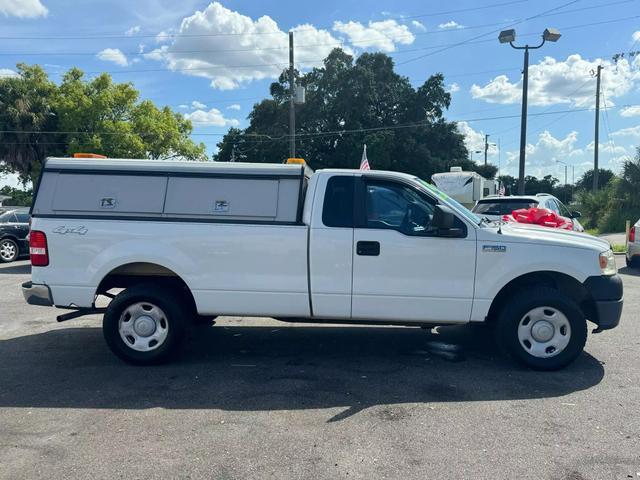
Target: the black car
(14, 231)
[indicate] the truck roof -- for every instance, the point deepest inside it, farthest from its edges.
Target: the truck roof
(163, 166)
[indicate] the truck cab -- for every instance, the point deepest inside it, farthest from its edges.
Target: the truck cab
(339, 246)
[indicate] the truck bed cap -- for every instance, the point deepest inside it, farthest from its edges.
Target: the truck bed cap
(164, 166)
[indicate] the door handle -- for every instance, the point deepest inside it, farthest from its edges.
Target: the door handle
(370, 249)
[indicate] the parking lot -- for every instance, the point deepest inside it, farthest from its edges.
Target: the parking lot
(256, 398)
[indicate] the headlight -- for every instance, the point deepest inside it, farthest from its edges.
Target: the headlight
(608, 263)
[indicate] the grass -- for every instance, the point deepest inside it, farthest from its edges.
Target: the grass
(592, 231)
(619, 248)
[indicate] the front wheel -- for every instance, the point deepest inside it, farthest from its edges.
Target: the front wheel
(145, 324)
(542, 328)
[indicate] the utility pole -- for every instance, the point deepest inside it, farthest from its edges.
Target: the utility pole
(597, 139)
(486, 148)
(292, 106)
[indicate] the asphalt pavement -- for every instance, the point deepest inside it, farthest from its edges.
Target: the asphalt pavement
(257, 398)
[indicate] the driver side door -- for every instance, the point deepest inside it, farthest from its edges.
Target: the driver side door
(402, 269)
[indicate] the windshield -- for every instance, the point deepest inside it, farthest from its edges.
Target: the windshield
(7, 217)
(461, 209)
(502, 207)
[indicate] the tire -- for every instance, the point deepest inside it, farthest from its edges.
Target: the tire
(9, 250)
(145, 324)
(542, 328)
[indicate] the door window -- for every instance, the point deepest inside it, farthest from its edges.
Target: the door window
(337, 210)
(398, 207)
(23, 217)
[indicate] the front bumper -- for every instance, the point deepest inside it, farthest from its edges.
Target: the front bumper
(37, 294)
(607, 293)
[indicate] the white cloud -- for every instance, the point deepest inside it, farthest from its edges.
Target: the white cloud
(383, 35)
(449, 25)
(23, 8)
(183, 106)
(198, 105)
(630, 111)
(633, 132)
(8, 73)
(636, 36)
(562, 82)
(544, 155)
(211, 118)
(474, 141)
(231, 49)
(132, 31)
(418, 25)
(114, 55)
(453, 88)
(235, 106)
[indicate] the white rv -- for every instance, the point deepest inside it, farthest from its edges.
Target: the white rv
(465, 187)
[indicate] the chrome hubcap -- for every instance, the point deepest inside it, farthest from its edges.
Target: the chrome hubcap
(7, 250)
(544, 332)
(143, 326)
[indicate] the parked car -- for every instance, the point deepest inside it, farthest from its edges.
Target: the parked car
(633, 246)
(14, 232)
(335, 246)
(494, 207)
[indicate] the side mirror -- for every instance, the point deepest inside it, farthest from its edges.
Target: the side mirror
(575, 214)
(443, 220)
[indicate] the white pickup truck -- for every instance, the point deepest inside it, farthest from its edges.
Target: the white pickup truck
(186, 240)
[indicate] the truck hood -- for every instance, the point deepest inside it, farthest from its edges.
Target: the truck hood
(525, 233)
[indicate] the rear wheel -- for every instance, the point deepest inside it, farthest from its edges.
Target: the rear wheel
(8, 250)
(145, 324)
(542, 328)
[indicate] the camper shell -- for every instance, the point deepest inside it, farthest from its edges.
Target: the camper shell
(172, 191)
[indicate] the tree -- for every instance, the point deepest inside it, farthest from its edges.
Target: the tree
(27, 103)
(546, 185)
(618, 201)
(351, 103)
(18, 198)
(585, 182)
(98, 116)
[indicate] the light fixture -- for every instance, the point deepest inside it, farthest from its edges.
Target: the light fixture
(507, 36)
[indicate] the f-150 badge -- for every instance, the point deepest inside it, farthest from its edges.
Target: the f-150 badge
(494, 248)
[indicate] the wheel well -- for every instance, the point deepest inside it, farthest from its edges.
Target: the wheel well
(556, 280)
(131, 274)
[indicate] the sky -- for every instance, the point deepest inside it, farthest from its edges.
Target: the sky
(213, 60)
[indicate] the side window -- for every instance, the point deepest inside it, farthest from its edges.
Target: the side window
(337, 210)
(23, 217)
(394, 206)
(553, 206)
(12, 218)
(564, 211)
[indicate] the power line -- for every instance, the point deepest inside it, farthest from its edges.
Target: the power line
(286, 136)
(547, 13)
(488, 33)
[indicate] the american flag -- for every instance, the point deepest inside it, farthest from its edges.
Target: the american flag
(364, 163)
(501, 190)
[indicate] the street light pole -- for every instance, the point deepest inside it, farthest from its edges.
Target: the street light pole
(523, 119)
(509, 36)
